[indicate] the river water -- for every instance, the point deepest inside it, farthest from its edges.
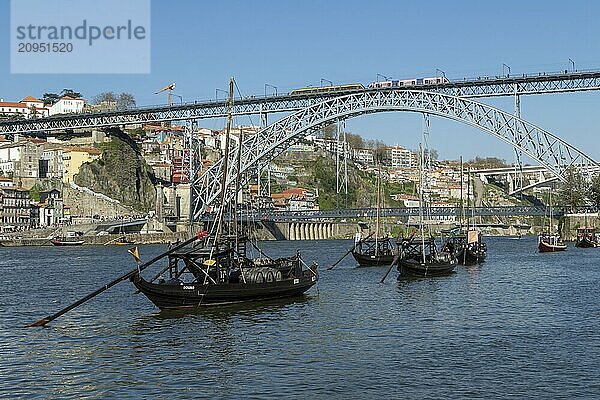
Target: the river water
(522, 325)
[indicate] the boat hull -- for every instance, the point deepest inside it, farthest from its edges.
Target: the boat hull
(544, 247)
(365, 260)
(469, 257)
(585, 243)
(67, 243)
(195, 295)
(414, 268)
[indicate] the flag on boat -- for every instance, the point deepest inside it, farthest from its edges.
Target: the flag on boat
(473, 237)
(136, 255)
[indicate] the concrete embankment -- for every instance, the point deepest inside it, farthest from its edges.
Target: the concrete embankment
(149, 238)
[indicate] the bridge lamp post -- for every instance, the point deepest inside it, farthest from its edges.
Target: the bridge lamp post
(180, 98)
(326, 80)
(272, 87)
(572, 64)
(507, 67)
(383, 76)
(439, 70)
(217, 93)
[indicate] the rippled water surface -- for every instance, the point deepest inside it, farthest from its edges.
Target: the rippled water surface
(523, 325)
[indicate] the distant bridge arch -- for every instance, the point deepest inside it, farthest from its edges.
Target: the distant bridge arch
(549, 150)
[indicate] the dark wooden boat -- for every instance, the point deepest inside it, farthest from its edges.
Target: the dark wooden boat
(550, 243)
(586, 237)
(468, 247)
(375, 252)
(66, 242)
(222, 274)
(420, 258)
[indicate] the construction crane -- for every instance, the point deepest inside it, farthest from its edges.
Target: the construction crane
(167, 89)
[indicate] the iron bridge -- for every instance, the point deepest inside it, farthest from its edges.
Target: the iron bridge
(473, 88)
(256, 150)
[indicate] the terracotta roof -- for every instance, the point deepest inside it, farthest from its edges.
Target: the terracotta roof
(70, 98)
(31, 99)
(36, 141)
(12, 104)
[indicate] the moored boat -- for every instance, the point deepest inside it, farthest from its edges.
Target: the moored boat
(468, 247)
(550, 243)
(218, 270)
(374, 252)
(586, 237)
(123, 241)
(66, 242)
(223, 274)
(420, 258)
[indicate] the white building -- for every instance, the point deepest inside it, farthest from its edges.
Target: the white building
(36, 107)
(13, 109)
(29, 107)
(364, 156)
(401, 157)
(67, 105)
(9, 154)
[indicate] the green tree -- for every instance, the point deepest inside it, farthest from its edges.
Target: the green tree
(70, 93)
(572, 191)
(34, 192)
(50, 98)
(594, 191)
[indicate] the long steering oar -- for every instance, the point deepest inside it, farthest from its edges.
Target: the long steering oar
(350, 251)
(411, 237)
(123, 277)
(390, 268)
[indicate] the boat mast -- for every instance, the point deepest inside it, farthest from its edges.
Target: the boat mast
(550, 213)
(468, 199)
(462, 204)
(378, 205)
(421, 172)
(219, 231)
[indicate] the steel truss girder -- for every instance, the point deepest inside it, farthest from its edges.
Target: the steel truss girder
(505, 86)
(549, 150)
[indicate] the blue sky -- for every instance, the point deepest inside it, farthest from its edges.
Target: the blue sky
(200, 44)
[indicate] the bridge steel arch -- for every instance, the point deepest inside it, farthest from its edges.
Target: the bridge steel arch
(257, 150)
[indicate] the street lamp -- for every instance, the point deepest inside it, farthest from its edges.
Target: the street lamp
(180, 98)
(326, 80)
(507, 67)
(272, 87)
(572, 64)
(217, 93)
(439, 70)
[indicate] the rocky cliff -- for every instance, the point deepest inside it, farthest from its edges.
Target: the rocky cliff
(121, 173)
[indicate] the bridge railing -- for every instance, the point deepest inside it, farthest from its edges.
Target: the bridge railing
(360, 213)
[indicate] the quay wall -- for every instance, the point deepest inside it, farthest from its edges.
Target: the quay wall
(149, 238)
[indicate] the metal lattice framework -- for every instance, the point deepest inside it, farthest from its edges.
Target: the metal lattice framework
(539, 144)
(472, 88)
